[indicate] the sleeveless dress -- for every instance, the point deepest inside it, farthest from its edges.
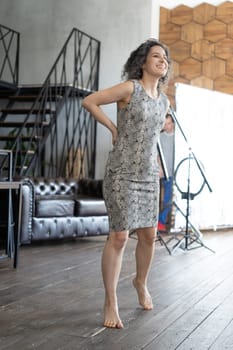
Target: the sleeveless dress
(131, 181)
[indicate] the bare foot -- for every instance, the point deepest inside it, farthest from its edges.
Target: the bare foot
(111, 317)
(144, 297)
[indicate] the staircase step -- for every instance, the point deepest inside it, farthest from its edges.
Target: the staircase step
(23, 98)
(31, 98)
(26, 111)
(19, 124)
(29, 151)
(6, 86)
(23, 138)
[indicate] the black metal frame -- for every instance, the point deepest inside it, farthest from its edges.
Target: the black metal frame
(9, 56)
(6, 160)
(14, 205)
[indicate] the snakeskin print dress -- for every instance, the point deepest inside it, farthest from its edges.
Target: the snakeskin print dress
(131, 181)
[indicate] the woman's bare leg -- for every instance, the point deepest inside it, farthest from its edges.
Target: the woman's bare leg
(144, 256)
(111, 267)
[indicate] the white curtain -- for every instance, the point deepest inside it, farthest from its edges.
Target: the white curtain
(206, 119)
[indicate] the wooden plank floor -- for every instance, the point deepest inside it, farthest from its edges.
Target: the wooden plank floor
(54, 300)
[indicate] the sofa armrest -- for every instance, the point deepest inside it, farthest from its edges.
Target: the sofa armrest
(27, 211)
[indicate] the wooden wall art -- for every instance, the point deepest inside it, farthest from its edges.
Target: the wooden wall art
(200, 41)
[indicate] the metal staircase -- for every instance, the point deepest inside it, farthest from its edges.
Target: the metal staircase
(45, 126)
(9, 57)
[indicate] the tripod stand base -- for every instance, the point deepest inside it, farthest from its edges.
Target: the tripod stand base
(187, 241)
(163, 242)
(183, 241)
(190, 237)
(166, 243)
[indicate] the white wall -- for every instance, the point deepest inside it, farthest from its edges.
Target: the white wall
(120, 26)
(45, 24)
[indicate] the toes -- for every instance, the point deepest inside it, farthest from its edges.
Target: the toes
(112, 324)
(148, 306)
(119, 325)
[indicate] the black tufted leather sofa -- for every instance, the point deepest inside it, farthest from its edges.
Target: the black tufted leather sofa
(62, 208)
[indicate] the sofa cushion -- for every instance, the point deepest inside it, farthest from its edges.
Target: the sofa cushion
(54, 207)
(87, 206)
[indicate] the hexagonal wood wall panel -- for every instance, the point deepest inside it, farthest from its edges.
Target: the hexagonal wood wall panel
(200, 40)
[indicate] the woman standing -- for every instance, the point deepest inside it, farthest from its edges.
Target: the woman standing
(131, 182)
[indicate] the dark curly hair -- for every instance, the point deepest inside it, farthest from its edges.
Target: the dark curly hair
(133, 66)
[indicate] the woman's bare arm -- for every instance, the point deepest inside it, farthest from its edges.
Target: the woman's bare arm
(119, 93)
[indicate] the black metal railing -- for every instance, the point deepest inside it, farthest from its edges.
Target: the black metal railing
(57, 136)
(9, 55)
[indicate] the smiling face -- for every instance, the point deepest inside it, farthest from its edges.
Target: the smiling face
(156, 62)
